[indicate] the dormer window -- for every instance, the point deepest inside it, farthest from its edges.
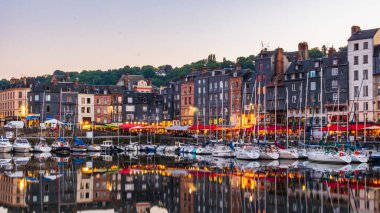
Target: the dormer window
(293, 76)
(105, 92)
(96, 91)
(316, 64)
(68, 89)
(86, 91)
(335, 61)
(47, 88)
(297, 67)
(235, 74)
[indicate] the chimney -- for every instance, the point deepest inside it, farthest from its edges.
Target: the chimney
(355, 29)
(331, 51)
(279, 61)
(76, 81)
(303, 51)
(238, 67)
(126, 81)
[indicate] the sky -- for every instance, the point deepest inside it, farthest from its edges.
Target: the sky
(40, 36)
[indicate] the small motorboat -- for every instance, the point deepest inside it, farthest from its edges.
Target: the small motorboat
(5, 145)
(21, 145)
(42, 146)
(61, 146)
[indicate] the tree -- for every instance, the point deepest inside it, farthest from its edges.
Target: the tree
(343, 49)
(315, 53)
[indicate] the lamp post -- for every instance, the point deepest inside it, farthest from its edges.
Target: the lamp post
(196, 110)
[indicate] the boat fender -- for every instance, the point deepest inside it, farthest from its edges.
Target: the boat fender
(341, 154)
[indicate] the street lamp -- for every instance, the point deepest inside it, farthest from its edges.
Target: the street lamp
(195, 109)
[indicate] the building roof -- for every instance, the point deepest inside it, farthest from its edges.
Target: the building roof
(363, 34)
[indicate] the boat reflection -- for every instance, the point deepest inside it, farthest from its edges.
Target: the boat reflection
(135, 183)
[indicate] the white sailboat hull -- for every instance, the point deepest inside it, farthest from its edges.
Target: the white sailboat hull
(269, 155)
(247, 154)
(204, 151)
(40, 148)
(359, 158)
(224, 154)
(323, 157)
(21, 148)
(93, 148)
(288, 154)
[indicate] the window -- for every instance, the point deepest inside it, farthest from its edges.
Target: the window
(356, 75)
(48, 108)
(365, 91)
(98, 111)
(82, 110)
(312, 74)
(378, 90)
(37, 97)
(69, 99)
(365, 106)
(356, 46)
(46, 198)
(334, 84)
(47, 88)
(19, 94)
(294, 99)
(335, 61)
(47, 97)
(293, 76)
(145, 108)
(88, 110)
(335, 96)
(334, 71)
(316, 64)
(130, 100)
(98, 100)
(119, 99)
(356, 91)
(293, 87)
(365, 59)
(365, 45)
(356, 106)
(88, 100)
(365, 74)
(356, 60)
(313, 86)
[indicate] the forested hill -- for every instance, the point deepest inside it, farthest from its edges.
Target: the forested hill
(109, 77)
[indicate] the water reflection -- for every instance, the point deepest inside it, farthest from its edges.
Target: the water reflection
(139, 183)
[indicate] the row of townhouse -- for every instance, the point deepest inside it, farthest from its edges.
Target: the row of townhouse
(73, 102)
(340, 87)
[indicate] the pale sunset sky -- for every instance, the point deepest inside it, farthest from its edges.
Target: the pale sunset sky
(40, 36)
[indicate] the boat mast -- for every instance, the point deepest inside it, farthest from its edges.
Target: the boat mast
(337, 120)
(305, 123)
(258, 108)
(275, 110)
(321, 102)
(255, 105)
(287, 118)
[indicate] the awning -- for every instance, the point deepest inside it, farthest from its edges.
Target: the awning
(33, 117)
(49, 117)
(178, 128)
(197, 127)
(53, 121)
(334, 128)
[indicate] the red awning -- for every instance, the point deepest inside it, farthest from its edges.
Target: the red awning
(127, 126)
(334, 128)
(354, 127)
(197, 127)
(269, 128)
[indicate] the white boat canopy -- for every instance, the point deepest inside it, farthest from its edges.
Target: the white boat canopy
(178, 128)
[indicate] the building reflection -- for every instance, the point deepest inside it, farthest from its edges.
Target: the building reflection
(70, 186)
